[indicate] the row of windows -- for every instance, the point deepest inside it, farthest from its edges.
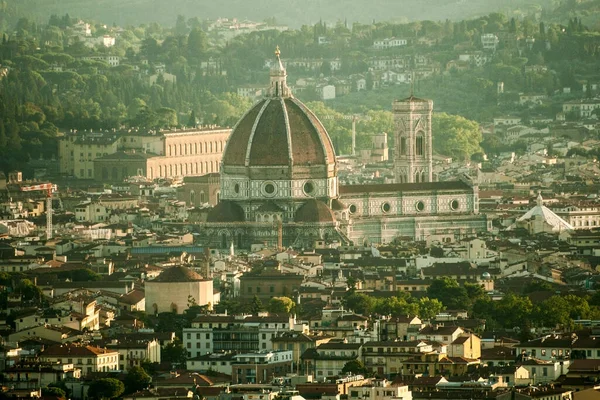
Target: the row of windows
(198, 168)
(195, 148)
(419, 149)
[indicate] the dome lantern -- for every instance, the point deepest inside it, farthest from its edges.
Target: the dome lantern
(278, 75)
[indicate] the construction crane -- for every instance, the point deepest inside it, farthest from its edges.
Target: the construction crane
(48, 188)
(355, 118)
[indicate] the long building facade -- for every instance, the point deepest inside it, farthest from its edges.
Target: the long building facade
(114, 156)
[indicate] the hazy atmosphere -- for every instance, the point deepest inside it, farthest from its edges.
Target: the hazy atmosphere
(299, 200)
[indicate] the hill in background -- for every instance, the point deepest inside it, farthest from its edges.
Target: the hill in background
(290, 12)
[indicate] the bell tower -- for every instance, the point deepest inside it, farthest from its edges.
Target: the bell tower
(413, 156)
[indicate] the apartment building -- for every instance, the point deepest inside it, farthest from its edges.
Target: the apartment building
(244, 333)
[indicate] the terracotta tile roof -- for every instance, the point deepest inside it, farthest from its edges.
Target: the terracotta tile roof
(314, 211)
(75, 350)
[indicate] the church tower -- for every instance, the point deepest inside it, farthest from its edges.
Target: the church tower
(413, 159)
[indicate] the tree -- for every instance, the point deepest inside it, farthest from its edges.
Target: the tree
(256, 305)
(174, 353)
(106, 388)
(281, 305)
(354, 367)
(197, 44)
(3, 138)
(449, 293)
(181, 27)
(429, 308)
(136, 379)
(54, 392)
(359, 303)
(193, 121)
(456, 136)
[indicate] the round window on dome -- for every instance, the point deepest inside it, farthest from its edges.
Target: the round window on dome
(420, 206)
(454, 205)
(352, 209)
(309, 187)
(236, 188)
(269, 188)
(386, 207)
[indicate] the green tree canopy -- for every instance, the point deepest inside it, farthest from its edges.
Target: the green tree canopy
(281, 305)
(106, 388)
(455, 136)
(354, 367)
(136, 379)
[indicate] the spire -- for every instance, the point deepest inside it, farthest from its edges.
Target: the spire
(539, 201)
(278, 86)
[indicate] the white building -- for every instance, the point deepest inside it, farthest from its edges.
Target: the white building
(91, 212)
(327, 92)
(216, 333)
(388, 43)
(113, 61)
(380, 390)
(489, 41)
(87, 358)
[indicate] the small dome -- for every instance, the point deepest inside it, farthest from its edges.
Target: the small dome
(178, 274)
(337, 205)
(314, 211)
(226, 211)
(486, 275)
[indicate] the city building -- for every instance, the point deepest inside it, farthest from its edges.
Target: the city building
(387, 43)
(226, 333)
(88, 359)
(260, 367)
(175, 289)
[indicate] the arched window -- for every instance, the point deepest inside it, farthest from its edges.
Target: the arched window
(211, 147)
(195, 148)
(403, 146)
(419, 146)
(192, 197)
(180, 148)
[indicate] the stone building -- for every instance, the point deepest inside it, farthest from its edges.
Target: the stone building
(199, 190)
(175, 288)
(413, 156)
(279, 182)
(114, 156)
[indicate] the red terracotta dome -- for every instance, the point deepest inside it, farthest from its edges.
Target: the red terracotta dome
(314, 211)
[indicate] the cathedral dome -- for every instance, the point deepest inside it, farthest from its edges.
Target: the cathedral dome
(226, 211)
(278, 151)
(314, 211)
(279, 131)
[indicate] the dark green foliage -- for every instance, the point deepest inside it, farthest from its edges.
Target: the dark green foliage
(106, 388)
(136, 379)
(174, 353)
(354, 367)
(54, 391)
